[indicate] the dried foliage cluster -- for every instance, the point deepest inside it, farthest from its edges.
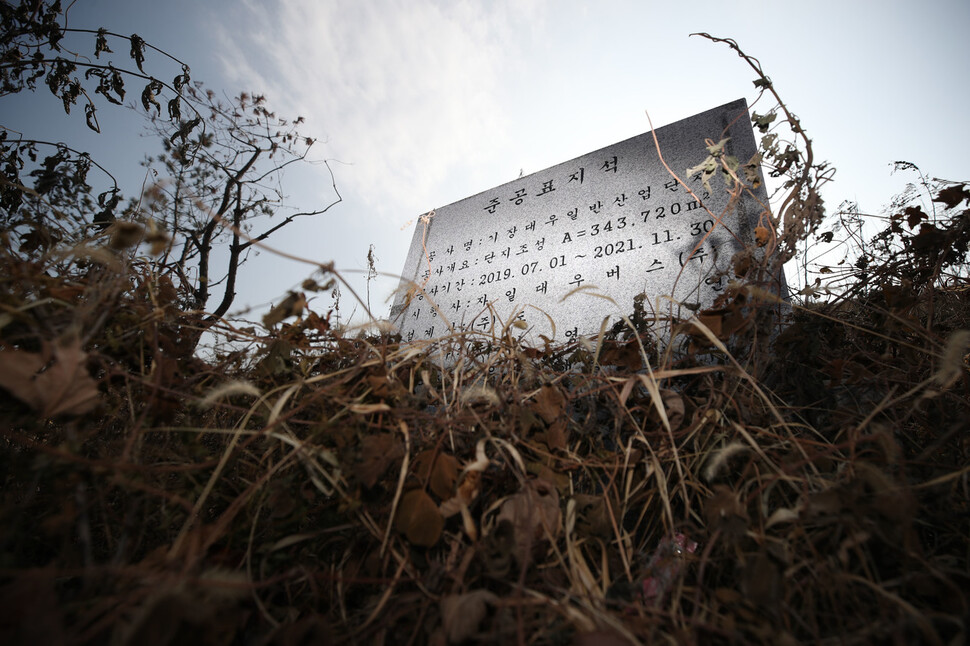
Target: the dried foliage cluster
(735, 484)
(211, 195)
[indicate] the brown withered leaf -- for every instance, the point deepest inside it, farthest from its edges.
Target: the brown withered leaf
(914, 215)
(418, 519)
(712, 320)
(549, 403)
(750, 169)
(761, 236)
(379, 385)
(953, 195)
(437, 470)
(526, 417)
(929, 240)
(377, 452)
(543, 471)
(534, 514)
(54, 382)
(724, 511)
(315, 322)
(556, 434)
(444, 475)
(421, 465)
(741, 263)
(623, 355)
(461, 614)
(592, 516)
(292, 305)
(125, 234)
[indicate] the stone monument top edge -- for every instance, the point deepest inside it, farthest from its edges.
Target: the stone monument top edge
(613, 218)
(741, 105)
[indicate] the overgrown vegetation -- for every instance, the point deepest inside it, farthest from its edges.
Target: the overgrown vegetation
(744, 482)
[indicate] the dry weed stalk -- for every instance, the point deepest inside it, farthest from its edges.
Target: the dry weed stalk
(338, 489)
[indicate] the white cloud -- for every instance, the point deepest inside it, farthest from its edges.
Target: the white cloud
(407, 92)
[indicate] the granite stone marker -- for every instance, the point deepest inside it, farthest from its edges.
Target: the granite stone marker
(613, 222)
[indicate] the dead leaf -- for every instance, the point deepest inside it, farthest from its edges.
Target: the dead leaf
(952, 195)
(54, 382)
(461, 614)
(762, 236)
(555, 435)
(379, 385)
(727, 595)
(534, 515)
(750, 169)
(125, 234)
(623, 355)
(723, 511)
(712, 322)
(914, 215)
(377, 452)
(592, 516)
(437, 470)
(418, 519)
(444, 475)
(549, 403)
(741, 262)
(292, 305)
(544, 472)
(421, 465)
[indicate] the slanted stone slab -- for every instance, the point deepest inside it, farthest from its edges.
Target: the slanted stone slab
(577, 242)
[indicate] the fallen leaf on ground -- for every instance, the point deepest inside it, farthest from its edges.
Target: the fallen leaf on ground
(461, 614)
(592, 516)
(549, 403)
(418, 519)
(377, 452)
(534, 514)
(437, 470)
(55, 382)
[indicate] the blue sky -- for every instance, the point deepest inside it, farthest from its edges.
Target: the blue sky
(426, 102)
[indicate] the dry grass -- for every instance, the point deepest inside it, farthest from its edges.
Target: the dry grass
(749, 483)
(356, 491)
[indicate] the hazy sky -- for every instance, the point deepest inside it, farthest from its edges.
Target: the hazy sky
(426, 102)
